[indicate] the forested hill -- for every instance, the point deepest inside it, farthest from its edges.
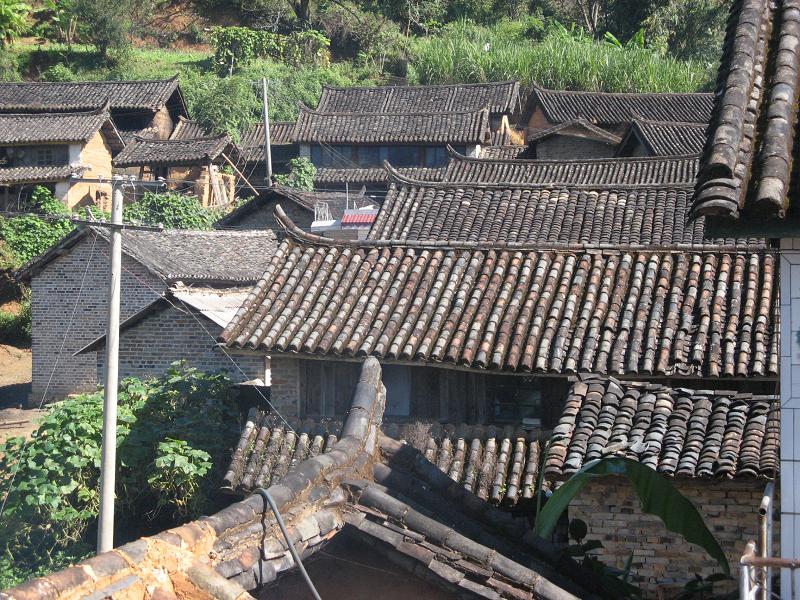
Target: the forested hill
(220, 47)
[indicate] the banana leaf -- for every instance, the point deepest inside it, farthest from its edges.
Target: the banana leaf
(657, 496)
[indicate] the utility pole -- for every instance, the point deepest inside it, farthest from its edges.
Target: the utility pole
(108, 465)
(267, 149)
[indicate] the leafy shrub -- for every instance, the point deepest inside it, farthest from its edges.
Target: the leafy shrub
(107, 26)
(15, 328)
(172, 210)
(301, 174)
(235, 46)
(29, 235)
(165, 454)
(59, 72)
(13, 20)
(222, 105)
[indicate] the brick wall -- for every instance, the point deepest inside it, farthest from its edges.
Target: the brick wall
(148, 348)
(663, 561)
(568, 146)
(285, 385)
(54, 292)
(263, 218)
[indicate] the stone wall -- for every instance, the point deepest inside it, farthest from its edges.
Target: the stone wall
(664, 561)
(54, 293)
(148, 348)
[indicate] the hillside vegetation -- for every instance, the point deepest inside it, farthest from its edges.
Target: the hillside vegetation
(221, 47)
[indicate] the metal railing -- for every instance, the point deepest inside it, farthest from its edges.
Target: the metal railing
(758, 565)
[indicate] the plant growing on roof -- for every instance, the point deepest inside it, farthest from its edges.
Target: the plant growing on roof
(301, 174)
(172, 210)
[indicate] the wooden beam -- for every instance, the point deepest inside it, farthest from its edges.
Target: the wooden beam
(240, 174)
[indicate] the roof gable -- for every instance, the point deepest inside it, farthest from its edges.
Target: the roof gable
(580, 128)
(621, 108)
(664, 138)
(180, 255)
(499, 97)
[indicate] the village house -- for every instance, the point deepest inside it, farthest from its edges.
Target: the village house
(72, 277)
(367, 490)
(576, 138)
(52, 150)
(137, 107)
(196, 165)
(354, 130)
(747, 186)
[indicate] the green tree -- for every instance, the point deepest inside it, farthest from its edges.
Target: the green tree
(222, 105)
(106, 24)
(13, 20)
(688, 29)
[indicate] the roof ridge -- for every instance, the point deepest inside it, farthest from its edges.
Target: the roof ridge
(554, 161)
(419, 86)
(305, 108)
(638, 119)
(204, 138)
(537, 89)
(400, 178)
(89, 81)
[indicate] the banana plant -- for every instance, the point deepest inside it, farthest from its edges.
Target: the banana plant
(657, 497)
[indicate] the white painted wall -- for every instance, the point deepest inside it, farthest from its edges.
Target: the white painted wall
(790, 410)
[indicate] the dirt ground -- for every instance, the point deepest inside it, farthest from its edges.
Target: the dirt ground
(15, 385)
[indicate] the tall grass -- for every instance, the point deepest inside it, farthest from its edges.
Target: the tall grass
(560, 60)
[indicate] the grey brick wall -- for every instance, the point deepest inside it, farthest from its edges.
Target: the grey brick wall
(285, 384)
(563, 146)
(663, 561)
(263, 218)
(148, 348)
(54, 292)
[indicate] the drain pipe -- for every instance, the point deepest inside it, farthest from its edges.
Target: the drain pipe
(269, 501)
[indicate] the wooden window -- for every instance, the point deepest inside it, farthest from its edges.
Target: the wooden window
(404, 156)
(326, 387)
(44, 157)
(513, 399)
(435, 156)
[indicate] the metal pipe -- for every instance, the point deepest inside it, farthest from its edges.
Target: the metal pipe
(765, 539)
(269, 501)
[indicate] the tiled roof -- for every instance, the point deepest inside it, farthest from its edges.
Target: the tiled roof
(144, 151)
(317, 127)
(52, 128)
(748, 166)
(337, 201)
(706, 313)
(599, 171)
(85, 95)
(667, 139)
(605, 108)
(187, 129)
(504, 152)
(515, 213)
(578, 127)
(500, 97)
(183, 255)
(252, 141)
(29, 174)
(676, 431)
(374, 175)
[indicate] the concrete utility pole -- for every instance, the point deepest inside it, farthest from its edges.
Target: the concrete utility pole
(108, 466)
(267, 149)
